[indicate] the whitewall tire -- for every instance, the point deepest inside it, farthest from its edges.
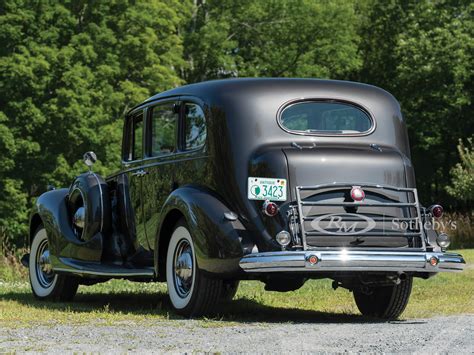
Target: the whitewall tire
(42, 278)
(45, 284)
(180, 268)
(191, 292)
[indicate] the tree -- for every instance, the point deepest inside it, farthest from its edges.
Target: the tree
(462, 174)
(422, 52)
(435, 82)
(68, 72)
(291, 38)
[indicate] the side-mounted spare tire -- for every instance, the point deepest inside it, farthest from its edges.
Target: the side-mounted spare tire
(89, 205)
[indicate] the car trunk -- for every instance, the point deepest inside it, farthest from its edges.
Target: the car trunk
(333, 171)
(321, 165)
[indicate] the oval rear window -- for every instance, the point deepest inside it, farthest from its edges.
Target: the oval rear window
(327, 118)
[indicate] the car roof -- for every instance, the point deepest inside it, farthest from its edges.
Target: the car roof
(250, 87)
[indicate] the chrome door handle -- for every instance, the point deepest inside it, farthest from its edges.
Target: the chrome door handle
(139, 173)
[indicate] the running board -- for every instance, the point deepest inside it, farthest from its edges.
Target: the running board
(88, 268)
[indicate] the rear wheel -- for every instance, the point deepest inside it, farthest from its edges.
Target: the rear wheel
(191, 292)
(387, 302)
(45, 284)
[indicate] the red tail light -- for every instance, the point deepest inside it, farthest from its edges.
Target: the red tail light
(436, 211)
(270, 208)
(357, 193)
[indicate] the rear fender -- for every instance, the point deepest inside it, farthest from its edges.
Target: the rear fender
(52, 208)
(219, 242)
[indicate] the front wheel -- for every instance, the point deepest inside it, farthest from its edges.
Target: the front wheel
(386, 302)
(45, 284)
(191, 292)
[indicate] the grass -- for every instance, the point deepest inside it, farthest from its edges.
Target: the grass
(460, 228)
(119, 301)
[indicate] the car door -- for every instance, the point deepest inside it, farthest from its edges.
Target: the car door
(131, 179)
(192, 164)
(158, 178)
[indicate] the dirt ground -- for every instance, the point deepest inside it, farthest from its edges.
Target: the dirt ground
(454, 334)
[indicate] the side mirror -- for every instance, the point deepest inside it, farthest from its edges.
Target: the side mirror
(89, 159)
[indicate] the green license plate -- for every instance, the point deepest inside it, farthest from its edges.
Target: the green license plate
(266, 189)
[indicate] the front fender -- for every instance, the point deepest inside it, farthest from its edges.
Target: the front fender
(219, 243)
(52, 209)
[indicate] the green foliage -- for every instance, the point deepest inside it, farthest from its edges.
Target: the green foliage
(422, 52)
(294, 38)
(68, 72)
(462, 174)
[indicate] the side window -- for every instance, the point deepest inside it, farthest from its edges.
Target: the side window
(134, 138)
(194, 127)
(138, 137)
(163, 129)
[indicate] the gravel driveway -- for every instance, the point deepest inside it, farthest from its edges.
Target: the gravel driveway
(453, 334)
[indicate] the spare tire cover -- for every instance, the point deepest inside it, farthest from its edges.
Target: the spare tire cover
(90, 191)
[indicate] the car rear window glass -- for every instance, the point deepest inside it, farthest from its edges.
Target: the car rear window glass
(194, 127)
(319, 117)
(163, 129)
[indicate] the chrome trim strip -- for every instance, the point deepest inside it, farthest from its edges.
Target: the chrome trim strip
(132, 273)
(359, 204)
(350, 260)
(344, 184)
(381, 234)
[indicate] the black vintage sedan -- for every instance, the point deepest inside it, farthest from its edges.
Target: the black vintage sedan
(278, 180)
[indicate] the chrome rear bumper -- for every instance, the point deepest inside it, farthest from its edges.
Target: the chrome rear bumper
(350, 260)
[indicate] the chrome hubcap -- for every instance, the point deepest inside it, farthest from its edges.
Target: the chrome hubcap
(183, 268)
(79, 212)
(79, 218)
(44, 269)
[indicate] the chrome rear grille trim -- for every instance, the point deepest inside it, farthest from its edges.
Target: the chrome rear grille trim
(358, 204)
(411, 208)
(382, 234)
(305, 218)
(342, 184)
